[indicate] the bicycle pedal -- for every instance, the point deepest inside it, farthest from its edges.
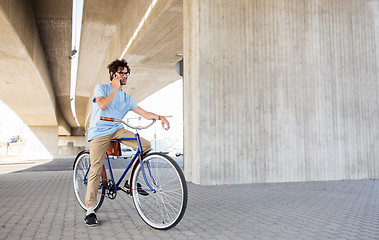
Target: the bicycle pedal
(139, 188)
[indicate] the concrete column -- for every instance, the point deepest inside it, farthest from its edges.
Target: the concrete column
(41, 143)
(279, 91)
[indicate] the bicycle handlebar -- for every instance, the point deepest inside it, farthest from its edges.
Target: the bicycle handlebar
(134, 127)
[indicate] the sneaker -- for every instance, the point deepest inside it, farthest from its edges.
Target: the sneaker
(91, 219)
(139, 187)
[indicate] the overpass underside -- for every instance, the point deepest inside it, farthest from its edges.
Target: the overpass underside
(274, 91)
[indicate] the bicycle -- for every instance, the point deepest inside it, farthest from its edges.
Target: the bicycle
(158, 186)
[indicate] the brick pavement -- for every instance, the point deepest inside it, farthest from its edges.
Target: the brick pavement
(42, 205)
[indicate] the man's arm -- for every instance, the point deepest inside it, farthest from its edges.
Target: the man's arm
(151, 116)
(104, 102)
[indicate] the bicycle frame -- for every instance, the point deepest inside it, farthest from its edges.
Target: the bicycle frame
(160, 198)
(137, 154)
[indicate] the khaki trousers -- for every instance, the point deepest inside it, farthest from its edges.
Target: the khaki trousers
(98, 149)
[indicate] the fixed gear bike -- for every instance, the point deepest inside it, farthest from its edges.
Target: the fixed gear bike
(158, 186)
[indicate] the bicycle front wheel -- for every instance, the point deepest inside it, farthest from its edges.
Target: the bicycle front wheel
(163, 207)
(81, 171)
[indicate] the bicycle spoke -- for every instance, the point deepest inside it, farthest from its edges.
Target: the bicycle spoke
(164, 208)
(166, 203)
(81, 168)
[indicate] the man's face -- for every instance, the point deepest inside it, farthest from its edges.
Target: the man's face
(123, 74)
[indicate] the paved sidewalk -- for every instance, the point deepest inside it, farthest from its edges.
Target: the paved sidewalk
(14, 164)
(42, 205)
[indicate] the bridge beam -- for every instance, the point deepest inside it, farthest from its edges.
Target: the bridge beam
(25, 85)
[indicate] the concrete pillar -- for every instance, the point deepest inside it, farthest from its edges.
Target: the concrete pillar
(40, 143)
(278, 91)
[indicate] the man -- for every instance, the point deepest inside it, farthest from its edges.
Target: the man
(110, 101)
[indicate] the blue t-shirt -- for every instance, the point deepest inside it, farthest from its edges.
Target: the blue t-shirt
(121, 104)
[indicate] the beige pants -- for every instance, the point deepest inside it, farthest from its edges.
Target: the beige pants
(98, 149)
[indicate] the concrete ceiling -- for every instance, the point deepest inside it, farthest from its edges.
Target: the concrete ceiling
(106, 29)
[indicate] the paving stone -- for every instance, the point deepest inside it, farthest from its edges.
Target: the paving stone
(44, 207)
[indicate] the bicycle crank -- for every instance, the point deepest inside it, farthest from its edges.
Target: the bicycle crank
(110, 190)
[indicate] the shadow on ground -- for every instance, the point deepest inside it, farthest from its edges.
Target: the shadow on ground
(66, 164)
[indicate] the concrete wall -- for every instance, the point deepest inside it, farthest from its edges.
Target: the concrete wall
(280, 91)
(71, 145)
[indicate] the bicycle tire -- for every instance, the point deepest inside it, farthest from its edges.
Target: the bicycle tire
(164, 208)
(80, 187)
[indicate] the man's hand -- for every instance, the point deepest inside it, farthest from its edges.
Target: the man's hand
(116, 81)
(104, 102)
(165, 123)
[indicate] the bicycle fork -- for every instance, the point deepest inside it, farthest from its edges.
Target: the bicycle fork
(143, 167)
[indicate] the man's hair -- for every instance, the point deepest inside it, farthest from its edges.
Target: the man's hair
(116, 65)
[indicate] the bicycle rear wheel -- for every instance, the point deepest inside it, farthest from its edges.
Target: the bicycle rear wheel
(81, 170)
(164, 207)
